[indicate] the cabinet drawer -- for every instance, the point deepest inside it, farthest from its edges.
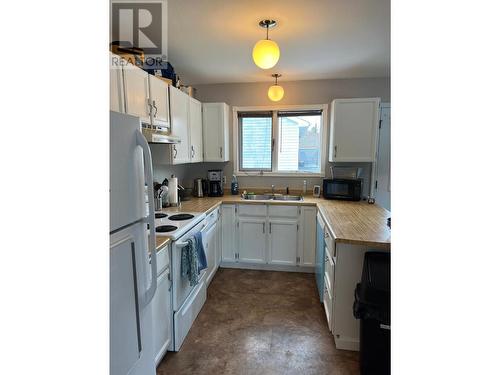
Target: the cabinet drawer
(329, 272)
(252, 210)
(283, 211)
(329, 244)
(162, 259)
(328, 305)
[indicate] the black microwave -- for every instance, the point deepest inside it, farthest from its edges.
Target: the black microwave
(343, 188)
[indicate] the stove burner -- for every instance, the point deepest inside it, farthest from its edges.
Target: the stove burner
(160, 215)
(165, 228)
(181, 217)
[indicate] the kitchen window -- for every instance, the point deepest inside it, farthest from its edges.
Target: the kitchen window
(286, 141)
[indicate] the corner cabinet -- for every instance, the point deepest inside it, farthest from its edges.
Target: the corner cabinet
(216, 132)
(354, 130)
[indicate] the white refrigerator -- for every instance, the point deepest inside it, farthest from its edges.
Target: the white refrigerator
(132, 274)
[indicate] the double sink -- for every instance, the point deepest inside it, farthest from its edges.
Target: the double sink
(269, 197)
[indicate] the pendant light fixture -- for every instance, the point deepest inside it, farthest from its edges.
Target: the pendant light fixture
(266, 52)
(275, 92)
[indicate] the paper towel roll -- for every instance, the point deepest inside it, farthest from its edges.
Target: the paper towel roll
(173, 191)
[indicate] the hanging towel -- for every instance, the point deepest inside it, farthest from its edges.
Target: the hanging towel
(193, 259)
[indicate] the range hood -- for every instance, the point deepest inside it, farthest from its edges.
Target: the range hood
(159, 134)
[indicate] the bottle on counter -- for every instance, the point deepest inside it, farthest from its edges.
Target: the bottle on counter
(234, 186)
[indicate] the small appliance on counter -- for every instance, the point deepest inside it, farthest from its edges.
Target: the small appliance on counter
(215, 183)
(198, 188)
(343, 188)
(316, 191)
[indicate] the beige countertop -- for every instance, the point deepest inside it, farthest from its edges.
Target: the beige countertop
(350, 222)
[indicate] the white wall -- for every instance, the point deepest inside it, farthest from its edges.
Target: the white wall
(298, 92)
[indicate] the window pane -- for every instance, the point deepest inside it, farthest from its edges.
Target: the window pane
(299, 143)
(256, 138)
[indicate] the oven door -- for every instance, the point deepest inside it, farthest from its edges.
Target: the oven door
(180, 285)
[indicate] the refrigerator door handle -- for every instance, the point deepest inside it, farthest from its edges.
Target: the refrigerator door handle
(143, 143)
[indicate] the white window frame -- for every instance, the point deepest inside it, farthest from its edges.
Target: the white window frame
(274, 172)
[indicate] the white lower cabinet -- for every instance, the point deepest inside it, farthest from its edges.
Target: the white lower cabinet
(307, 236)
(210, 244)
(228, 232)
(162, 312)
(251, 240)
(283, 235)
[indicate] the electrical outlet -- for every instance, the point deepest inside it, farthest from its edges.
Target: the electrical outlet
(224, 180)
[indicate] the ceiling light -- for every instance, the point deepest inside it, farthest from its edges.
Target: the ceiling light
(276, 92)
(266, 53)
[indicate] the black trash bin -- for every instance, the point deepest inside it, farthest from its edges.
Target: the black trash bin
(372, 307)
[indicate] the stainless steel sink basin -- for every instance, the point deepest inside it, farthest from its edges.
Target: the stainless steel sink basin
(258, 197)
(268, 197)
(288, 198)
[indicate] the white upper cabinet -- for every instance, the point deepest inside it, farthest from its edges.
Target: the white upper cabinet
(179, 112)
(136, 83)
(195, 130)
(158, 95)
(116, 102)
(354, 130)
(216, 132)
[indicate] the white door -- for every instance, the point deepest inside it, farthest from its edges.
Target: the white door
(210, 243)
(195, 128)
(162, 317)
(308, 218)
(116, 100)
(283, 235)
(383, 179)
(228, 229)
(135, 81)
(158, 91)
(179, 112)
(252, 240)
(131, 344)
(353, 131)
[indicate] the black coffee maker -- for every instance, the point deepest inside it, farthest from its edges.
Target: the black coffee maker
(215, 183)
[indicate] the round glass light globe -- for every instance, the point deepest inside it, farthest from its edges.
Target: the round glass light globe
(275, 93)
(266, 53)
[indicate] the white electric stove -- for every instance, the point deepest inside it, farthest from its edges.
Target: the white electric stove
(175, 224)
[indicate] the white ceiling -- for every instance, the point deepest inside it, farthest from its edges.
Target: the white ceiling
(211, 41)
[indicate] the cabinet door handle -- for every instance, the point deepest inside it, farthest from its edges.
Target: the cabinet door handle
(156, 109)
(220, 152)
(270, 228)
(263, 227)
(175, 152)
(192, 151)
(335, 148)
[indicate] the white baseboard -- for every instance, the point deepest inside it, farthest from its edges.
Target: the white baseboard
(267, 267)
(346, 343)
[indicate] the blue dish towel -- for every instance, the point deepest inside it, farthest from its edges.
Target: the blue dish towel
(193, 259)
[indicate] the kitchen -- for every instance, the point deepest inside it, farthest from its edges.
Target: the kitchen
(208, 187)
(267, 193)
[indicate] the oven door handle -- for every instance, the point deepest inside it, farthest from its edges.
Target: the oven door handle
(148, 171)
(184, 243)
